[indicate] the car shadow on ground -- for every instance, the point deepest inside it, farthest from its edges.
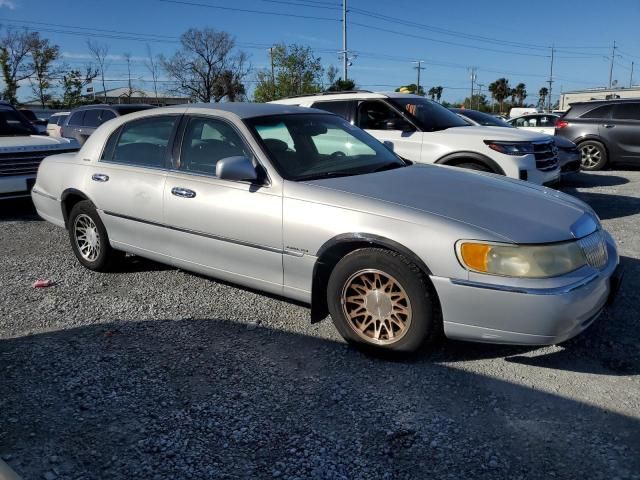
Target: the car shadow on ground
(590, 180)
(215, 399)
(18, 209)
(608, 206)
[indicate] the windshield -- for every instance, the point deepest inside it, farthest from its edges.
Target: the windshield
(310, 146)
(13, 123)
(429, 115)
(482, 118)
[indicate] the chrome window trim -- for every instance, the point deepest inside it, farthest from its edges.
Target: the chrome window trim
(526, 290)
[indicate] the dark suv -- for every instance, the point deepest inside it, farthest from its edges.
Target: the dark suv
(83, 121)
(606, 131)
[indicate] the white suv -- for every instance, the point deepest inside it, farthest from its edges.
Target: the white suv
(424, 131)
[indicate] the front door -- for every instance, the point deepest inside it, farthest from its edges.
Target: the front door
(228, 229)
(127, 183)
(385, 124)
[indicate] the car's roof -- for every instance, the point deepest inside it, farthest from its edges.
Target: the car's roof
(246, 109)
(117, 106)
(325, 97)
(603, 101)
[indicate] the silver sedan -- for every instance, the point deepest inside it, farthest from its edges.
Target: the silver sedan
(300, 203)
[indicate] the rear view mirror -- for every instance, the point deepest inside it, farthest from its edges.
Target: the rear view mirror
(236, 168)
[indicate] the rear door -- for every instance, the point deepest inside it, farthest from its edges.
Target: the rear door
(623, 131)
(127, 183)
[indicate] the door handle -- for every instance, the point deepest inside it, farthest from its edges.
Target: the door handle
(100, 177)
(183, 192)
(608, 125)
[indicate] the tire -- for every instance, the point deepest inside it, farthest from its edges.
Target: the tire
(478, 167)
(594, 155)
(89, 239)
(410, 313)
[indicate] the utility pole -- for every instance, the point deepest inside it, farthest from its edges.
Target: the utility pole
(550, 81)
(345, 58)
(418, 67)
(613, 57)
(631, 79)
(480, 85)
(273, 75)
(473, 81)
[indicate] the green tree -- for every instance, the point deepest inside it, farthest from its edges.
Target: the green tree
(542, 94)
(439, 91)
(43, 54)
(432, 93)
(207, 66)
(342, 85)
(73, 82)
(500, 90)
(15, 47)
(296, 71)
(520, 93)
(411, 88)
(477, 102)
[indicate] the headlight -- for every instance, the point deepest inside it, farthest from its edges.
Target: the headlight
(531, 261)
(510, 148)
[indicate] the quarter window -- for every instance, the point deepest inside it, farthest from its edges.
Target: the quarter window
(91, 118)
(106, 115)
(207, 141)
(76, 118)
(627, 111)
(141, 142)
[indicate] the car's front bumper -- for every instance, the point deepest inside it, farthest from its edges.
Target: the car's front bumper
(486, 312)
(16, 186)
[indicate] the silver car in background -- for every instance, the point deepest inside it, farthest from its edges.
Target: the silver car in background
(298, 202)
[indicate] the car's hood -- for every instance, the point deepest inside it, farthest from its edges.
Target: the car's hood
(35, 143)
(498, 133)
(516, 211)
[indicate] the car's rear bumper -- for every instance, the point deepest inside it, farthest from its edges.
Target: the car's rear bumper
(528, 316)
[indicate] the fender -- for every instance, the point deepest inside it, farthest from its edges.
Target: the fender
(66, 194)
(334, 249)
(478, 157)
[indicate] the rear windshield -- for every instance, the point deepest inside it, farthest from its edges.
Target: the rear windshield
(429, 115)
(13, 123)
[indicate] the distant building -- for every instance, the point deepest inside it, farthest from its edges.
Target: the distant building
(121, 95)
(567, 98)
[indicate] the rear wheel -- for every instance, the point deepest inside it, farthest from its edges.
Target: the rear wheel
(381, 301)
(594, 155)
(89, 239)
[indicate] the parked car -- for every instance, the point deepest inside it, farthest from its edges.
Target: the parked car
(568, 152)
(474, 117)
(520, 111)
(606, 131)
(55, 123)
(396, 252)
(421, 130)
(539, 122)
(21, 151)
(83, 121)
(39, 124)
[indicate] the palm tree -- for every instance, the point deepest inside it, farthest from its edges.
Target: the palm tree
(500, 91)
(544, 91)
(439, 90)
(433, 93)
(521, 93)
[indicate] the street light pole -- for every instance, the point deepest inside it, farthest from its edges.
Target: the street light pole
(345, 59)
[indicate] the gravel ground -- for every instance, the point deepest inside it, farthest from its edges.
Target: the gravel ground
(154, 373)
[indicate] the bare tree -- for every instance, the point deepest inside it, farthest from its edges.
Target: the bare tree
(207, 67)
(43, 54)
(127, 58)
(154, 69)
(100, 53)
(15, 47)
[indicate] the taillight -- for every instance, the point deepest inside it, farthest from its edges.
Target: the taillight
(561, 124)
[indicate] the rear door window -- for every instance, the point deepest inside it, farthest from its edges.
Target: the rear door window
(603, 111)
(141, 142)
(91, 118)
(376, 115)
(76, 118)
(627, 111)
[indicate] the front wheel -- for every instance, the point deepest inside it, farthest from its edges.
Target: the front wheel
(89, 239)
(478, 167)
(594, 155)
(379, 300)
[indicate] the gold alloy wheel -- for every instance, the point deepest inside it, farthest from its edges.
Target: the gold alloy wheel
(376, 307)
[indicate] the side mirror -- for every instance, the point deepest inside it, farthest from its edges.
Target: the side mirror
(398, 124)
(388, 144)
(236, 168)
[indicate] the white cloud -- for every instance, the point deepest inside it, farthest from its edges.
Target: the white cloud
(7, 3)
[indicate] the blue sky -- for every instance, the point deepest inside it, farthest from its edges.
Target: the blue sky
(500, 38)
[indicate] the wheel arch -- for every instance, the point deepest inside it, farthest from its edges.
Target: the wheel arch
(68, 199)
(456, 158)
(330, 253)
